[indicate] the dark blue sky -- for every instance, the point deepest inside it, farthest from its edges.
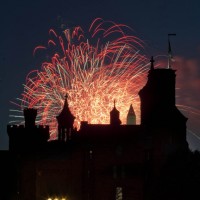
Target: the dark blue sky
(25, 24)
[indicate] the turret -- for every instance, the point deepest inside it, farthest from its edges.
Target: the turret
(158, 95)
(114, 116)
(159, 113)
(65, 122)
(29, 137)
(30, 117)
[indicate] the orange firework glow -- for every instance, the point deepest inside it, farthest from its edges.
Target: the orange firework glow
(93, 71)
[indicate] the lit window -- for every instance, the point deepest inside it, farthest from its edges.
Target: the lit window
(119, 194)
(56, 198)
(90, 154)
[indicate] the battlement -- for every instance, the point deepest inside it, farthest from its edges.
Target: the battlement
(28, 136)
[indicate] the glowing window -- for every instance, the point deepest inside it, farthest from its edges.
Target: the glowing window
(119, 194)
(90, 154)
(56, 198)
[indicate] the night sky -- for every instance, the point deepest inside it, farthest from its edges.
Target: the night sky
(25, 25)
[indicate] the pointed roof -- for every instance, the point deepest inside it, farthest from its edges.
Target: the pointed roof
(114, 110)
(65, 118)
(114, 116)
(131, 111)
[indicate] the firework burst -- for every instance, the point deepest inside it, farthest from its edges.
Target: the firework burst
(93, 71)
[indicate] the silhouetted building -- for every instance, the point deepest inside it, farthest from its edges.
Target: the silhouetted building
(109, 161)
(29, 137)
(114, 116)
(65, 122)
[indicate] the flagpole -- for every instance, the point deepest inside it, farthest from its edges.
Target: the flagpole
(170, 50)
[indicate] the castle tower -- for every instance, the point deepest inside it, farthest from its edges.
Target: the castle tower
(158, 107)
(65, 122)
(29, 137)
(114, 116)
(131, 117)
(30, 117)
(158, 95)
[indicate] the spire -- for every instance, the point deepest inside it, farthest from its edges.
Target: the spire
(66, 96)
(114, 116)
(131, 110)
(65, 120)
(66, 105)
(152, 61)
(169, 51)
(114, 110)
(131, 117)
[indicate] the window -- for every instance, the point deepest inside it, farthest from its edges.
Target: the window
(90, 152)
(55, 198)
(119, 194)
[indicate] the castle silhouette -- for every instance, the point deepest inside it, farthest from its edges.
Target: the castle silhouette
(100, 161)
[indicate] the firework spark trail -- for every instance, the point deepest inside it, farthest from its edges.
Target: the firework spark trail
(93, 71)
